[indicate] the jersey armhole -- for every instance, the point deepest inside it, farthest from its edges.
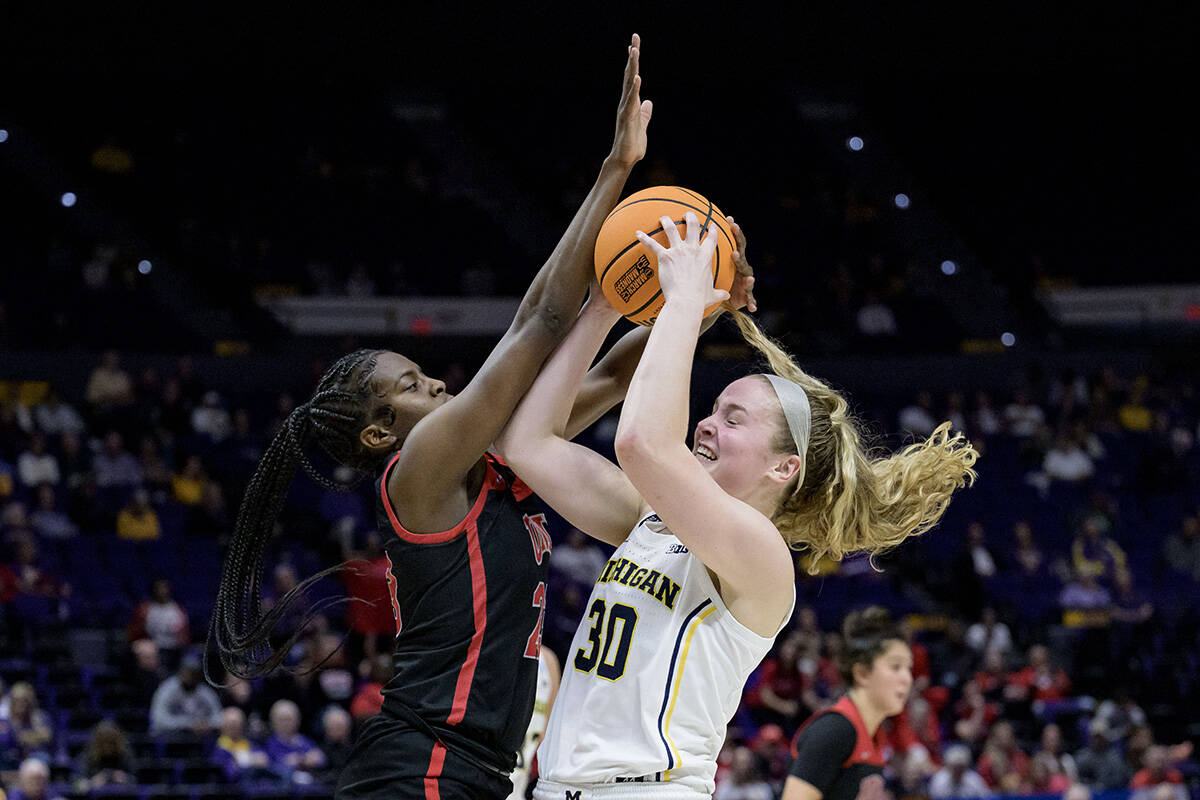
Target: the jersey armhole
(439, 536)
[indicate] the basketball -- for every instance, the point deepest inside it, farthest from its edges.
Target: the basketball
(625, 268)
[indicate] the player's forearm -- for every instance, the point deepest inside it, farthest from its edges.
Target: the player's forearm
(553, 298)
(545, 409)
(607, 383)
(656, 407)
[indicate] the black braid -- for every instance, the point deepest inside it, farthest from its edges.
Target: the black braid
(334, 417)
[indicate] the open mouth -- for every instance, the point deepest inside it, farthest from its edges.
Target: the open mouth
(704, 454)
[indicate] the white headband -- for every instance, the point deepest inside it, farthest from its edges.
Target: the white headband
(797, 412)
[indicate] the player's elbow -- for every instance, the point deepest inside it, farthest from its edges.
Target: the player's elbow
(634, 449)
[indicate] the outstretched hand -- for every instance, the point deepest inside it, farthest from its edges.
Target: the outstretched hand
(742, 291)
(685, 268)
(633, 114)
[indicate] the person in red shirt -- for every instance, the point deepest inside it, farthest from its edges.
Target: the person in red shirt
(1039, 682)
(776, 697)
(992, 677)
(1002, 757)
(369, 614)
(1155, 770)
(368, 700)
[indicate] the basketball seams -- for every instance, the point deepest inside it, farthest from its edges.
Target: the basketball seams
(703, 207)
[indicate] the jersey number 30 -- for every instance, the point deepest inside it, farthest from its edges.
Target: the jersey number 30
(597, 656)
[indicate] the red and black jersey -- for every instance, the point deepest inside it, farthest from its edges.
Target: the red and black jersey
(469, 605)
(835, 754)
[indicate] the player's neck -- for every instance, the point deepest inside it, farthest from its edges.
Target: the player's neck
(872, 717)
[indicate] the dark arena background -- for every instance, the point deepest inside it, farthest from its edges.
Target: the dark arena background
(981, 215)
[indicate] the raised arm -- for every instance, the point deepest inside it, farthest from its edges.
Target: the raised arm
(733, 539)
(581, 485)
(456, 435)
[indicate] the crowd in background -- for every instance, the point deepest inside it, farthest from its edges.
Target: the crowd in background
(1048, 622)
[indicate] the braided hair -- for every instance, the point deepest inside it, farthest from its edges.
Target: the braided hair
(333, 417)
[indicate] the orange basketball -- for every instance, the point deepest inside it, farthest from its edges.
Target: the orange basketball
(626, 268)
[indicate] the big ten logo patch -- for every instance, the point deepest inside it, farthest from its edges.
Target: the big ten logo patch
(539, 534)
(634, 278)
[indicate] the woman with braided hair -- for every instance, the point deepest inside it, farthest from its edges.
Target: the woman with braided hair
(702, 580)
(466, 546)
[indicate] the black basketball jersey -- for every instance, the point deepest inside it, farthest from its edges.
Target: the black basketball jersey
(835, 753)
(469, 605)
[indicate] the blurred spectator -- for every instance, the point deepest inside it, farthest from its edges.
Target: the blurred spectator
(188, 485)
(875, 319)
(1026, 554)
(109, 386)
(369, 615)
(744, 781)
(15, 427)
(1095, 554)
(114, 466)
(47, 520)
(238, 757)
(1156, 770)
(989, 634)
(973, 565)
(917, 418)
(33, 782)
(1045, 776)
(368, 700)
(1134, 415)
(291, 752)
(1039, 680)
(1099, 764)
(776, 695)
(172, 417)
(580, 560)
(211, 420)
(147, 672)
(1085, 603)
(137, 521)
(162, 620)
(73, 462)
(1065, 461)
(1058, 762)
(156, 475)
(184, 703)
(956, 412)
(107, 758)
(284, 580)
(1002, 756)
(336, 741)
(55, 417)
(1120, 714)
(8, 479)
(956, 778)
(985, 420)
(35, 466)
(26, 729)
(41, 595)
(975, 713)
(1022, 417)
(1182, 548)
(210, 518)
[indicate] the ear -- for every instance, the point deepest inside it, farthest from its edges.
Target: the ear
(862, 673)
(376, 438)
(787, 468)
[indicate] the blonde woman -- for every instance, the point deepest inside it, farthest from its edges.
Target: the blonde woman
(702, 580)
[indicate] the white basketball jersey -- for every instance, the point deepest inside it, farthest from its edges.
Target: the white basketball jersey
(654, 674)
(534, 733)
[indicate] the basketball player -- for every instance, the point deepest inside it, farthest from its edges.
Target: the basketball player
(549, 676)
(702, 580)
(466, 544)
(837, 754)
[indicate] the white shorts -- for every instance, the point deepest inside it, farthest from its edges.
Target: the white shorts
(650, 790)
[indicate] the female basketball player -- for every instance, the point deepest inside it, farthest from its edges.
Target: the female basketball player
(702, 580)
(837, 755)
(465, 543)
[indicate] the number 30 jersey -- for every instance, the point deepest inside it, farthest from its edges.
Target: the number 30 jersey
(655, 672)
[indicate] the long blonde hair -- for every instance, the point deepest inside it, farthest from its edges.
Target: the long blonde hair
(850, 501)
